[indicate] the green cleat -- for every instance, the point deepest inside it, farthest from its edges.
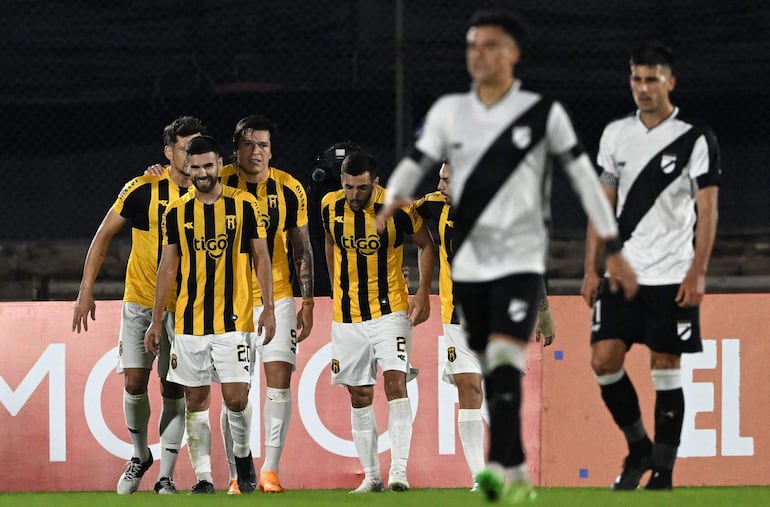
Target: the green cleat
(490, 484)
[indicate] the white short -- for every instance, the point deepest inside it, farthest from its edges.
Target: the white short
(459, 357)
(283, 346)
(134, 321)
(195, 358)
(359, 347)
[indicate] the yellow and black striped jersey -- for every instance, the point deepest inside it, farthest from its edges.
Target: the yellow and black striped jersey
(142, 202)
(214, 290)
(434, 206)
(283, 204)
(368, 281)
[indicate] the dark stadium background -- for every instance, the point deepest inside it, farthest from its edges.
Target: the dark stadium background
(87, 87)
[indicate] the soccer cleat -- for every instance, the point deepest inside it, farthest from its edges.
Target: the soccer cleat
(397, 481)
(234, 489)
(247, 476)
(634, 466)
(491, 484)
(660, 480)
(518, 492)
(202, 488)
(369, 485)
(135, 469)
(475, 488)
(165, 486)
(269, 482)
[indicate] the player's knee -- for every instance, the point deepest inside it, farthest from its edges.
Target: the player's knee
(360, 397)
(606, 361)
(135, 384)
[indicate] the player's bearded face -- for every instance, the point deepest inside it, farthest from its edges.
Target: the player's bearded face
(358, 190)
(204, 171)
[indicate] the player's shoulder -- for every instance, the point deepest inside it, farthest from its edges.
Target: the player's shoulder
(287, 180)
(432, 198)
(695, 122)
(332, 197)
(139, 182)
(227, 170)
(620, 123)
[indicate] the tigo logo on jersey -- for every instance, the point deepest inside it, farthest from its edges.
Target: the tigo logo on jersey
(214, 247)
(668, 163)
(521, 136)
(364, 246)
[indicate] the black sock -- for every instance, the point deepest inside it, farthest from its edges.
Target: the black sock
(623, 403)
(669, 415)
(503, 391)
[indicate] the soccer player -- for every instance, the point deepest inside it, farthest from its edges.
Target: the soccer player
(373, 316)
(661, 171)
(463, 368)
(143, 201)
(499, 140)
(283, 204)
(210, 237)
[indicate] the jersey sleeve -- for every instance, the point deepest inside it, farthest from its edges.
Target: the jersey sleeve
(296, 204)
(421, 206)
(559, 130)
(133, 200)
(325, 212)
(408, 219)
(705, 163)
(170, 226)
(432, 139)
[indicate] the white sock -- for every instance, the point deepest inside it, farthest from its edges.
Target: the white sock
(227, 440)
(277, 414)
(364, 426)
(400, 430)
(199, 443)
(171, 432)
(240, 429)
(136, 408)
(471, 428)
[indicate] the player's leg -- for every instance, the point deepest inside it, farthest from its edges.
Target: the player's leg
(279, 358)
(463, 369)
(353, 366)
(135, 363)
(231, 357)
(673, 331)
(191, 366)
(615, 318)
(392, 336)
(172, 421)
(501, 316)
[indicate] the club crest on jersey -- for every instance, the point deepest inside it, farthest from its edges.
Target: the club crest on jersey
(451, 354)
(668, 163)
(272, 201)
(521, 135)
(335, 366)
(230, 222)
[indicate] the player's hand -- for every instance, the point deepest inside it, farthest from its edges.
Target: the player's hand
(152, 338)
(621, 276)
(546, 328)
(155, 170)
(590, 288)
(691, 290)
(266, 323)
(84, 305)
(419, 308)
(304, 320)
(389, 210)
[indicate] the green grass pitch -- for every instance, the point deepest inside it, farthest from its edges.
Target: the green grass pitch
(562, 497)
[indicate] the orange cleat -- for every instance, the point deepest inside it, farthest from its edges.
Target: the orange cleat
(269, 482)
(234, 489)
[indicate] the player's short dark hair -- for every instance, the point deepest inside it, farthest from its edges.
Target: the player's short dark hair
(202, 144)
(359, 163)
(652, 53)
(183, 126)
(251, 123)
(505, 19)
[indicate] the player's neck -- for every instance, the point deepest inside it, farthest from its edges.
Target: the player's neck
(210, 197)
(652, 119)
(258, 177)
(492, 91)
(178, 178)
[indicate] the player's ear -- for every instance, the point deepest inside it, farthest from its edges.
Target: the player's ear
(168, 151)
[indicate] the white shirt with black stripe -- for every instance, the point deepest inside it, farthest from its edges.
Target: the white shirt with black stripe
(510, 235)
(657, 173)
